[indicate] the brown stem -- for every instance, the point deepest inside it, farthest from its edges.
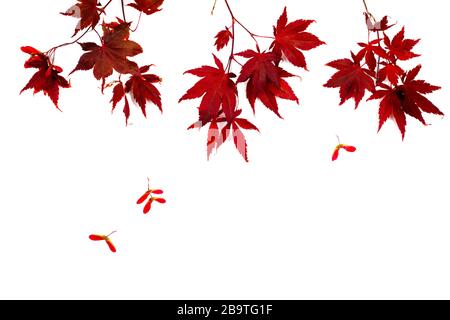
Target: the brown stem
(139, 21)
(53, 50)
(252, 35)
(230, 59)
(123, 11)
(104, 7)
(214, 7)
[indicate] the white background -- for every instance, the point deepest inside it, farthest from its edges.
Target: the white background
(290, 224)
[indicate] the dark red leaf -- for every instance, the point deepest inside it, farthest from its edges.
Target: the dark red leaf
(407, 98)
(147, 6)
(112, 54)
(351, 79)
(141, 88)
(47, 78)
(265, 80)
(88, 11)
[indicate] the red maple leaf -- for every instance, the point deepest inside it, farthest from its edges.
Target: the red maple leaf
(118, 95)
(406, 99)
(265, 80)
(216, 136)
(147, 6)
(377, 26)
(390, 71)
(141, 88)
(111, 54)
(217, 90)
(88, 11)
(222, 38)
(369, 50)
(291, 39)
(401, 48)
(47, 78)
(352, 79)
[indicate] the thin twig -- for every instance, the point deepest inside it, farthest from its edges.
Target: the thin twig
(123, 11)
(137, 25)
(214, 7)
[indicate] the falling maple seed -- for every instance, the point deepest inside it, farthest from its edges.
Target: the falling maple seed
(150, 193)
(96, 237)
(341, 146)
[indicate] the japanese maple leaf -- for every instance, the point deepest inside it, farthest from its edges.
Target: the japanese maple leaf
(112, 54)
(222, 38)
(141, 88)
(406, 99)
(291, 39)
(47, 78)
(216, 136)
(118, 95)
(88, 11)
(401, 48)
(390, 71)
(265, 80)
(381, 25)
(147, 6)
(352, 79)
(369, 50)
(217, 90)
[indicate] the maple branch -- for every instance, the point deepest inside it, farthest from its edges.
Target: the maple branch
(123, 11)
(52, 50)
(139, 21)
(104, 7)
(252, 35)
(232, 46)
(214, 7)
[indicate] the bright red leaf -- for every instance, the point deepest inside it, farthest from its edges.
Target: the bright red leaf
(401, 48)
(217, 90)
(369, 50)
(291, 39)
(222, 38)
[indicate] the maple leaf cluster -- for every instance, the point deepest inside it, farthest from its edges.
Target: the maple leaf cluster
(261, 71)
(110, 55)
(376, 69)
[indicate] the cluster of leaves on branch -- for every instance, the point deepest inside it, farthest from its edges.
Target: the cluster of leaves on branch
(111, 54)
(261, 71)
(376, 68)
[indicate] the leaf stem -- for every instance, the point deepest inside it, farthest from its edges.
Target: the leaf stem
(111, 233)
(104, 7)
(214, 7)
(123, 11)
(139, 21)
(252, 35)
(53, 50)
